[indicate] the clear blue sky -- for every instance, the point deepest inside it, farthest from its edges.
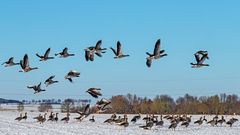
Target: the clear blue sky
(183, 26)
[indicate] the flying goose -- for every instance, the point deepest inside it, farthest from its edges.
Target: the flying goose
(98, 49)
(45, 56)
(72, 74)
(84, 114)
(36, 88)
(89, 53)
(25, 64)
(157, 53)
(64, 53)
(10, 62)
(95, 92)
(200, 60)
(19, 118)
(118, 53)
(102, 105)
(50, 81)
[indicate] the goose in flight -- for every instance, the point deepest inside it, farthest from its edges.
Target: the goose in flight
(157, 53)
(45, 56)
(94, 92)
(98, 49)
(84, 114)
(64, 53)
(72, 74)
(200, 59)
(103, 105)
(89, 53)
(25, 64)
(118, 53)
(36, 88)
(10, 62)
(50, 81)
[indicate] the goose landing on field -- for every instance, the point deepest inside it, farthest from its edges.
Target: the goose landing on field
(45, 56)
(118, 53)
(36, 88)
(157, 53)
(72, 74)
(10, 63)
(64, 53)
(25, 64)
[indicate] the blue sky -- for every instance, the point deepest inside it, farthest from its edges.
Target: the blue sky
(183, 26)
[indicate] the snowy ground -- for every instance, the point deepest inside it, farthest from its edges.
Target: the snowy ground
(8, 126)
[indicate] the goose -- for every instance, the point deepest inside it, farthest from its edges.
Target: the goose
(72, 74)
(41, 119)
(10, 62)
(37, 117)
(103, 102)
(64, 53)
(89, 53)
(50, 81)
(19, 118)
(56, 117)
(36, 88)
(51, 117)
(98, 49)
(213, 122)
(149, 125)
(199, 122)
(135, 118)
(231, 121)
(94, 92)
(156, 54)
(92, 119)
(185, 123)
(25, 64)
(66, 119)
(161, 122)
(84, 114)
(221, 121)
(200, 60)
(45, 56)
(25, 116)
(118, 53)
(173, 125)
(124, 123)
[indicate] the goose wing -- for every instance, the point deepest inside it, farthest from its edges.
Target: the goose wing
(91, 57)
(114, 51)
(98, 45)
(119, 46)
(10, 60)
(157, 47)
(197, 57)
(25, 61)
(47, 53)
(65, 50)
(87, 55)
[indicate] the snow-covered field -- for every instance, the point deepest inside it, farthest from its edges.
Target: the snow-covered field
(8, 126)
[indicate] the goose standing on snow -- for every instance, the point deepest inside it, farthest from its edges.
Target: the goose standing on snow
(66, 119)
(50, 81)
(19, 118)
(92, 119)
(45, 56)
(64, 53)
(118, 53)
(200, 60)
(95, 92)
(157, 53)
(135, 118)
(25, 64)
(25, 116)
(36, 88)
(10, 62)
(72, 74)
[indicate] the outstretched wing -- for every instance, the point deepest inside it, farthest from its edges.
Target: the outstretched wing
(119, 50)
(114, 51)
(10, 60)
(98, 44)
(25, 61)
(47, 53)
(197, 57)
(65, 50)
(149, 62)
(87, 55)
(157, 47)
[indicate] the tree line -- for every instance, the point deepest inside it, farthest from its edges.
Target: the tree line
(187, 104)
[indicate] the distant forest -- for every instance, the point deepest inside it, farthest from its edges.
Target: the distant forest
(164, 104)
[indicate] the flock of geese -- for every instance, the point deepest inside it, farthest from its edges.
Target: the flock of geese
(200, 57)
(147, 122)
